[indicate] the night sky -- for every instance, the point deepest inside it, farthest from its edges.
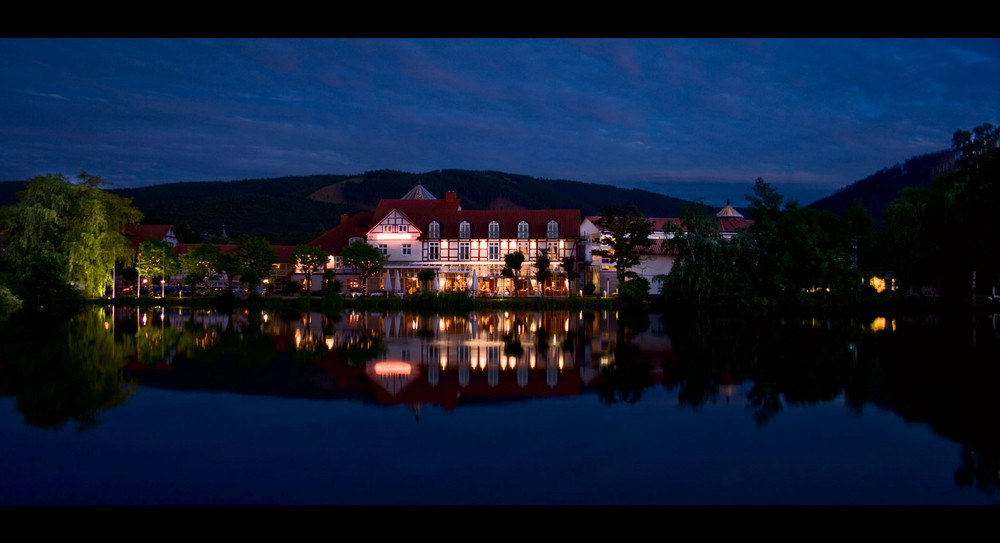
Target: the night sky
(692, 118)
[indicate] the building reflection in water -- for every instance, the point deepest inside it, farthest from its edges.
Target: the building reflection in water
(416, 359)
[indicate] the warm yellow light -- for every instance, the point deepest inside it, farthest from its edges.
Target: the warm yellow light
(392, 368)
(878, 324)
(877, 283)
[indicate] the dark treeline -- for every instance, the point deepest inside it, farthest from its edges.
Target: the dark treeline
(937, 240)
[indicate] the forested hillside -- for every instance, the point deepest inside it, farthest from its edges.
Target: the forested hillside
(879, 189)
(290, 210)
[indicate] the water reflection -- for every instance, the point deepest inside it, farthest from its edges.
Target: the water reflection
(929, 369)
(64, 370)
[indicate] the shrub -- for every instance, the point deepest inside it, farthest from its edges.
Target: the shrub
(291, 288)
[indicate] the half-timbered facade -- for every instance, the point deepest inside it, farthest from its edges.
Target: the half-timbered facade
(466, 248)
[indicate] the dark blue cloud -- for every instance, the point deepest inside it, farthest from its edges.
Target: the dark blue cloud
(689, 117)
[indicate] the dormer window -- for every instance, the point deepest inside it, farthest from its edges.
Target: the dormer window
(434, 230)
(552, 230)
(522, 230)
(464, 230)
(494, 232)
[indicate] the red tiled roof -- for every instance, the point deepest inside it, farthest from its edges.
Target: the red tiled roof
(448, 214)
(335, 239)
(281, 252)
(726, 224)
(138, 233)
(732, 224)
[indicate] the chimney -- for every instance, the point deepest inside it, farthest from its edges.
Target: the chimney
(450, 196)
(343, 218)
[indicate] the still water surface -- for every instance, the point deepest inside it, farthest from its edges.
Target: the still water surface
(196, 407)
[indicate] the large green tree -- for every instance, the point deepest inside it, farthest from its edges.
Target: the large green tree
(626, 234)
(367, 259)
(801, 250)
(63, 237)
(941, 235)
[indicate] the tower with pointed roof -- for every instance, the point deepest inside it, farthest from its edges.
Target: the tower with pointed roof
(729, 211)
(418, 192)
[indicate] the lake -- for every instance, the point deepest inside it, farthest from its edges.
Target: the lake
(179, 406)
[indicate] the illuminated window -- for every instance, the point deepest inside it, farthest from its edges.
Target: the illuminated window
(552, 230)
(494, 230)
(434, 231)
(388, 228)
(464, 230)
(522, 230)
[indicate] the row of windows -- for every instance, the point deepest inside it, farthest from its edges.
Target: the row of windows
(465, 230)
(464, 250)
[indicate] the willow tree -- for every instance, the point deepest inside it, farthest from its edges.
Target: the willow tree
(63, 237)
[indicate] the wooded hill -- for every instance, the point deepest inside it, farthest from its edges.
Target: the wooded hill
(291, 210)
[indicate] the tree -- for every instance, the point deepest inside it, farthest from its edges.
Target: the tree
(627, 233)
(64, 238)
(201, 262)
(709, 269)
(367, 259)
(425, 276)
(941, 235)
(512, 268)
(542, 271)
(157, 259)
(308, 259)
(800, 250)
(330, 282)
(253, 259)
(568, 265)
